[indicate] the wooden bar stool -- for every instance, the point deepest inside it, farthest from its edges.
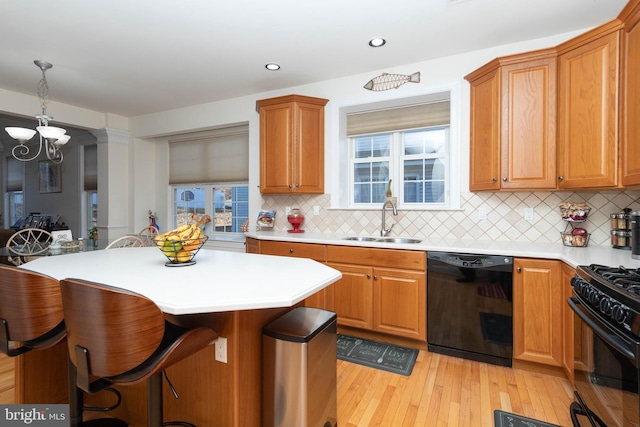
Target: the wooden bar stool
(118, 337)
(31, 318)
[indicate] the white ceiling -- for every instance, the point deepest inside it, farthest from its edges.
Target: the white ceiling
(143, 56)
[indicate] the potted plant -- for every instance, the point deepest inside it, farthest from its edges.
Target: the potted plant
(93, 235)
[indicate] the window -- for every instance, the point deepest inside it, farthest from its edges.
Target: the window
(90, 178)
(226, 204)
(209, 174)
(14, 196)
(409, 145)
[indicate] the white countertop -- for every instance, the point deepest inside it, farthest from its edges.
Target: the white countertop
(604, 255)
(219, 281)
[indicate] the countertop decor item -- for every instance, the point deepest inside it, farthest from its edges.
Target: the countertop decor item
(266, 219)
(295, 218)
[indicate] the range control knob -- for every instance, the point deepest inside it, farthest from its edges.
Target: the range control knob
(619, 313)
(594, 297)
(605, 306)
(576, 282)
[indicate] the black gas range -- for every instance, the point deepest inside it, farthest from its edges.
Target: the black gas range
(607, 301)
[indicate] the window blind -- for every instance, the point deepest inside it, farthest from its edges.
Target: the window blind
(90, 168)
(15, 174)
(399, 118)
(221, 156)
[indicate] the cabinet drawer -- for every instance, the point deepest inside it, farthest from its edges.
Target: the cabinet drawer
(299, 250)
(395, 258)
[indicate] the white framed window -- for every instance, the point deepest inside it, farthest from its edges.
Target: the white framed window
(408, 141)
(226, 203)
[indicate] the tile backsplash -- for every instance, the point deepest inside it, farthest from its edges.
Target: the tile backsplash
(504, 216)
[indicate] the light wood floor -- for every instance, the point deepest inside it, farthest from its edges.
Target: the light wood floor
(448, 391)
(441, 391)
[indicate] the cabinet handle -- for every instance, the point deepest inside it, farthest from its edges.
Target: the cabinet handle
(368, 276)
(494, 179)
(519, 270)
(560, 178)
(504, 179)
(375, 277)
(290, 186)
(290, 251)
(297, 185)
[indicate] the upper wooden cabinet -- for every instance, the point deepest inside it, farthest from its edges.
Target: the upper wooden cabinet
(630, 95)
(513, 123)
(588, 109)
(292, 144)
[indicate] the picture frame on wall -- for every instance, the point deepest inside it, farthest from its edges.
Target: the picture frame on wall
(50, 177)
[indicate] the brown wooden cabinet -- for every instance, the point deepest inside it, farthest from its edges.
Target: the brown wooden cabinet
(537, 311)
(513, 123)
(292, 145)
(568, 340)
(588, 109)
(381, 290)
(630, 95)
(300, 250)
(252, 246)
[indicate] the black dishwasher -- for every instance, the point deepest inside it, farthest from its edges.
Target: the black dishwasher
(470, 306)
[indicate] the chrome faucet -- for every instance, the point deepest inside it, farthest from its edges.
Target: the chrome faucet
(385, 232)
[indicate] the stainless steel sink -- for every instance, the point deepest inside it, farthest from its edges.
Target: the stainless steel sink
(397, 240)
(361, 239)
(402, 240)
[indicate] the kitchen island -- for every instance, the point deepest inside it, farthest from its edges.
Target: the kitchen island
(233, 293)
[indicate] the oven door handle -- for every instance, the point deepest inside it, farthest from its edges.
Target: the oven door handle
(614, 340)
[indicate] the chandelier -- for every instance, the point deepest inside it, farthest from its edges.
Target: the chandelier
(52, 138)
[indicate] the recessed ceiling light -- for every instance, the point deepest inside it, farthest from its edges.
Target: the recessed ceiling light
(377, 42)
(272, 66)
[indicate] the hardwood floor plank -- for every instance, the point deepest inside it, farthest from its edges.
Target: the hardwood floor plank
(452, 392)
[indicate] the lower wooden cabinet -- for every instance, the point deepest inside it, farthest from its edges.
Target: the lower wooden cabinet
(538, 299)
(381, 290)
(568, 339)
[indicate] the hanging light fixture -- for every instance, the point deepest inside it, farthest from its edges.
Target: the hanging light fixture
(52, 138)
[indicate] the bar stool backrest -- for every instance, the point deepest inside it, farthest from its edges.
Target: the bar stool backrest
(30, 311)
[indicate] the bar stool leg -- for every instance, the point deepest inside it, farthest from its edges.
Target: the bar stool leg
(154, 402)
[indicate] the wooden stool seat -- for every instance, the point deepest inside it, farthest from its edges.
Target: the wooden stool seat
(119, 337)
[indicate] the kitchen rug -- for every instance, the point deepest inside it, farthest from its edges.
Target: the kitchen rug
(497, 328)
(505, 419)
(376, 354)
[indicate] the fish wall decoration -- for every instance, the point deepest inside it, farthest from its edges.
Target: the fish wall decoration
(387, 81)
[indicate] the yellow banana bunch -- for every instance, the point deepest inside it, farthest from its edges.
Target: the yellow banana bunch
(184, 232)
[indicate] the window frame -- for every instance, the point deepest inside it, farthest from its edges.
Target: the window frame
(209, 206)
(342, 181)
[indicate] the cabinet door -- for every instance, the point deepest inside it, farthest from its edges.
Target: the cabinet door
(399, 303)
(276, 145)
(588, 114)
(484, 168)
(630, 94)
(353, 296)
(528, 141)
(308, 164)
(568, 341)
(537, 305)
(252, 246)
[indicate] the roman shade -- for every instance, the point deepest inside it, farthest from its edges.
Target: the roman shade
(90, 168)
(398, 118)
(15, 174)
(217, 156)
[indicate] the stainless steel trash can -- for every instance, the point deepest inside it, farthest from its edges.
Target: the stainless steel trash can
(299, 369)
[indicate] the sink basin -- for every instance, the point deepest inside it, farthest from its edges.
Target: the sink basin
(397, 240)
(402, 240)
(361, 239)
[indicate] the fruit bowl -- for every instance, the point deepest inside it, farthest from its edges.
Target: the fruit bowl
(180, 253)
